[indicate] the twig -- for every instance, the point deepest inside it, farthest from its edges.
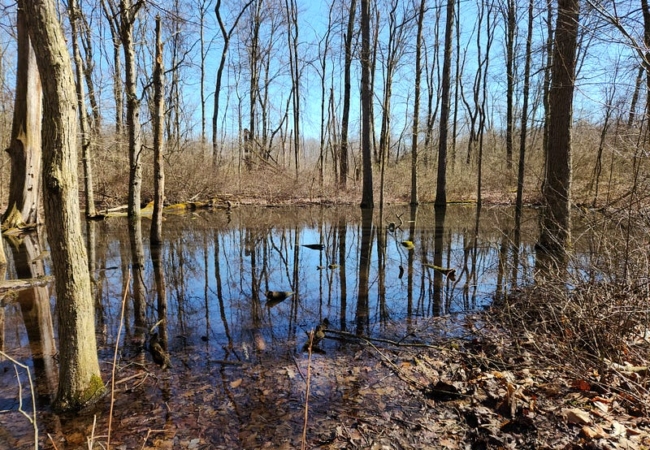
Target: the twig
(32, 420)
(149, 431)
(303, 445)
(52, 441)
(91, 440)
(295, 361)
(117, 346)
(384, 341)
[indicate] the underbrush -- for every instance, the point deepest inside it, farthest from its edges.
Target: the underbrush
(597, 330)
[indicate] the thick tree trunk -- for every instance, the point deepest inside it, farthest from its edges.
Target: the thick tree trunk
(25, 147)
(556, 226)
(79, 375)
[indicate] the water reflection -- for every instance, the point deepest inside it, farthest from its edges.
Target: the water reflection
(205, 286)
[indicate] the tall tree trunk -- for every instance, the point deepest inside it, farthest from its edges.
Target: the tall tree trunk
(556, 226)
(416, 107)
(344, 170)
(158, 145)
(367, 200)
(292, 36)
(128, 13)
(80, 379)
(511, 28)
(85, 133)
(519, 203)
(441, 187)
(25, 148)
(546, 86)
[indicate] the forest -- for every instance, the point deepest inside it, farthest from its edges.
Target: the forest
(136, 109)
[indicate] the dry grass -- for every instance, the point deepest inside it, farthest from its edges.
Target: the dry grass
(190, 174)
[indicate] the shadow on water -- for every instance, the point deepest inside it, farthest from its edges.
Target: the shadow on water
(205, 291)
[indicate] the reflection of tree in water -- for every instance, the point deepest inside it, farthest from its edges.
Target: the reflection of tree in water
(438, 251)
(37, 314)
(410, 271)
(342, 232)
(137, 274)
(363, 309)
(161, 295)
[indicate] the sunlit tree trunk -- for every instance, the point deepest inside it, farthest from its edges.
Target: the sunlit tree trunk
(416, 106)
(128, 13)
(343, 156)
(519, 203)
(323, 51)
(85, 133)
(79, 375)
(511, 28)
(366, 108)
(158, 145)
(25, 147)
(85, 35)
(441, 187)
(292, 36)
(556, 226)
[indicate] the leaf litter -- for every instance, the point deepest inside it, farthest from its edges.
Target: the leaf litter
(453, 383)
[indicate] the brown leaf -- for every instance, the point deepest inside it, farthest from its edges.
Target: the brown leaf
(236, 383)
(577, 416)
(595, 432)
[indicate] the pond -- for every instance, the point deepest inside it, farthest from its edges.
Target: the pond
(370, 275)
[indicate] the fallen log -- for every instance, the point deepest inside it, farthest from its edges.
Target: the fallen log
(8, 287)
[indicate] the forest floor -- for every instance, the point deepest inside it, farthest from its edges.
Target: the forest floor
(445, 383)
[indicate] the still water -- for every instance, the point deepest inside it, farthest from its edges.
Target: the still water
(217, 267)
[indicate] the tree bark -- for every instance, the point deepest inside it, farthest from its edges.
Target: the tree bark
(128, 13)
(416, 107)
(556, 225)
(25, 148)
(343, 157)
(367, 200)
(79, 376)
(85, 133)
(441, 186)
(158, 145)
(511, 28)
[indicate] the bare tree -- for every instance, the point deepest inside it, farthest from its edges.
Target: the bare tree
(85, 133)
(226, 36)
(128, 13)
(416, 106)
(441, 187)
(25, 147)
(80, 379)
(556, 227)
(344, 170)
(511, 33)
(158, 144)
(366, 109)
(292, 37)
(392, 54)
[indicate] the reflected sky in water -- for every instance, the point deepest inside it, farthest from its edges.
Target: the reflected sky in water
(218, 266)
